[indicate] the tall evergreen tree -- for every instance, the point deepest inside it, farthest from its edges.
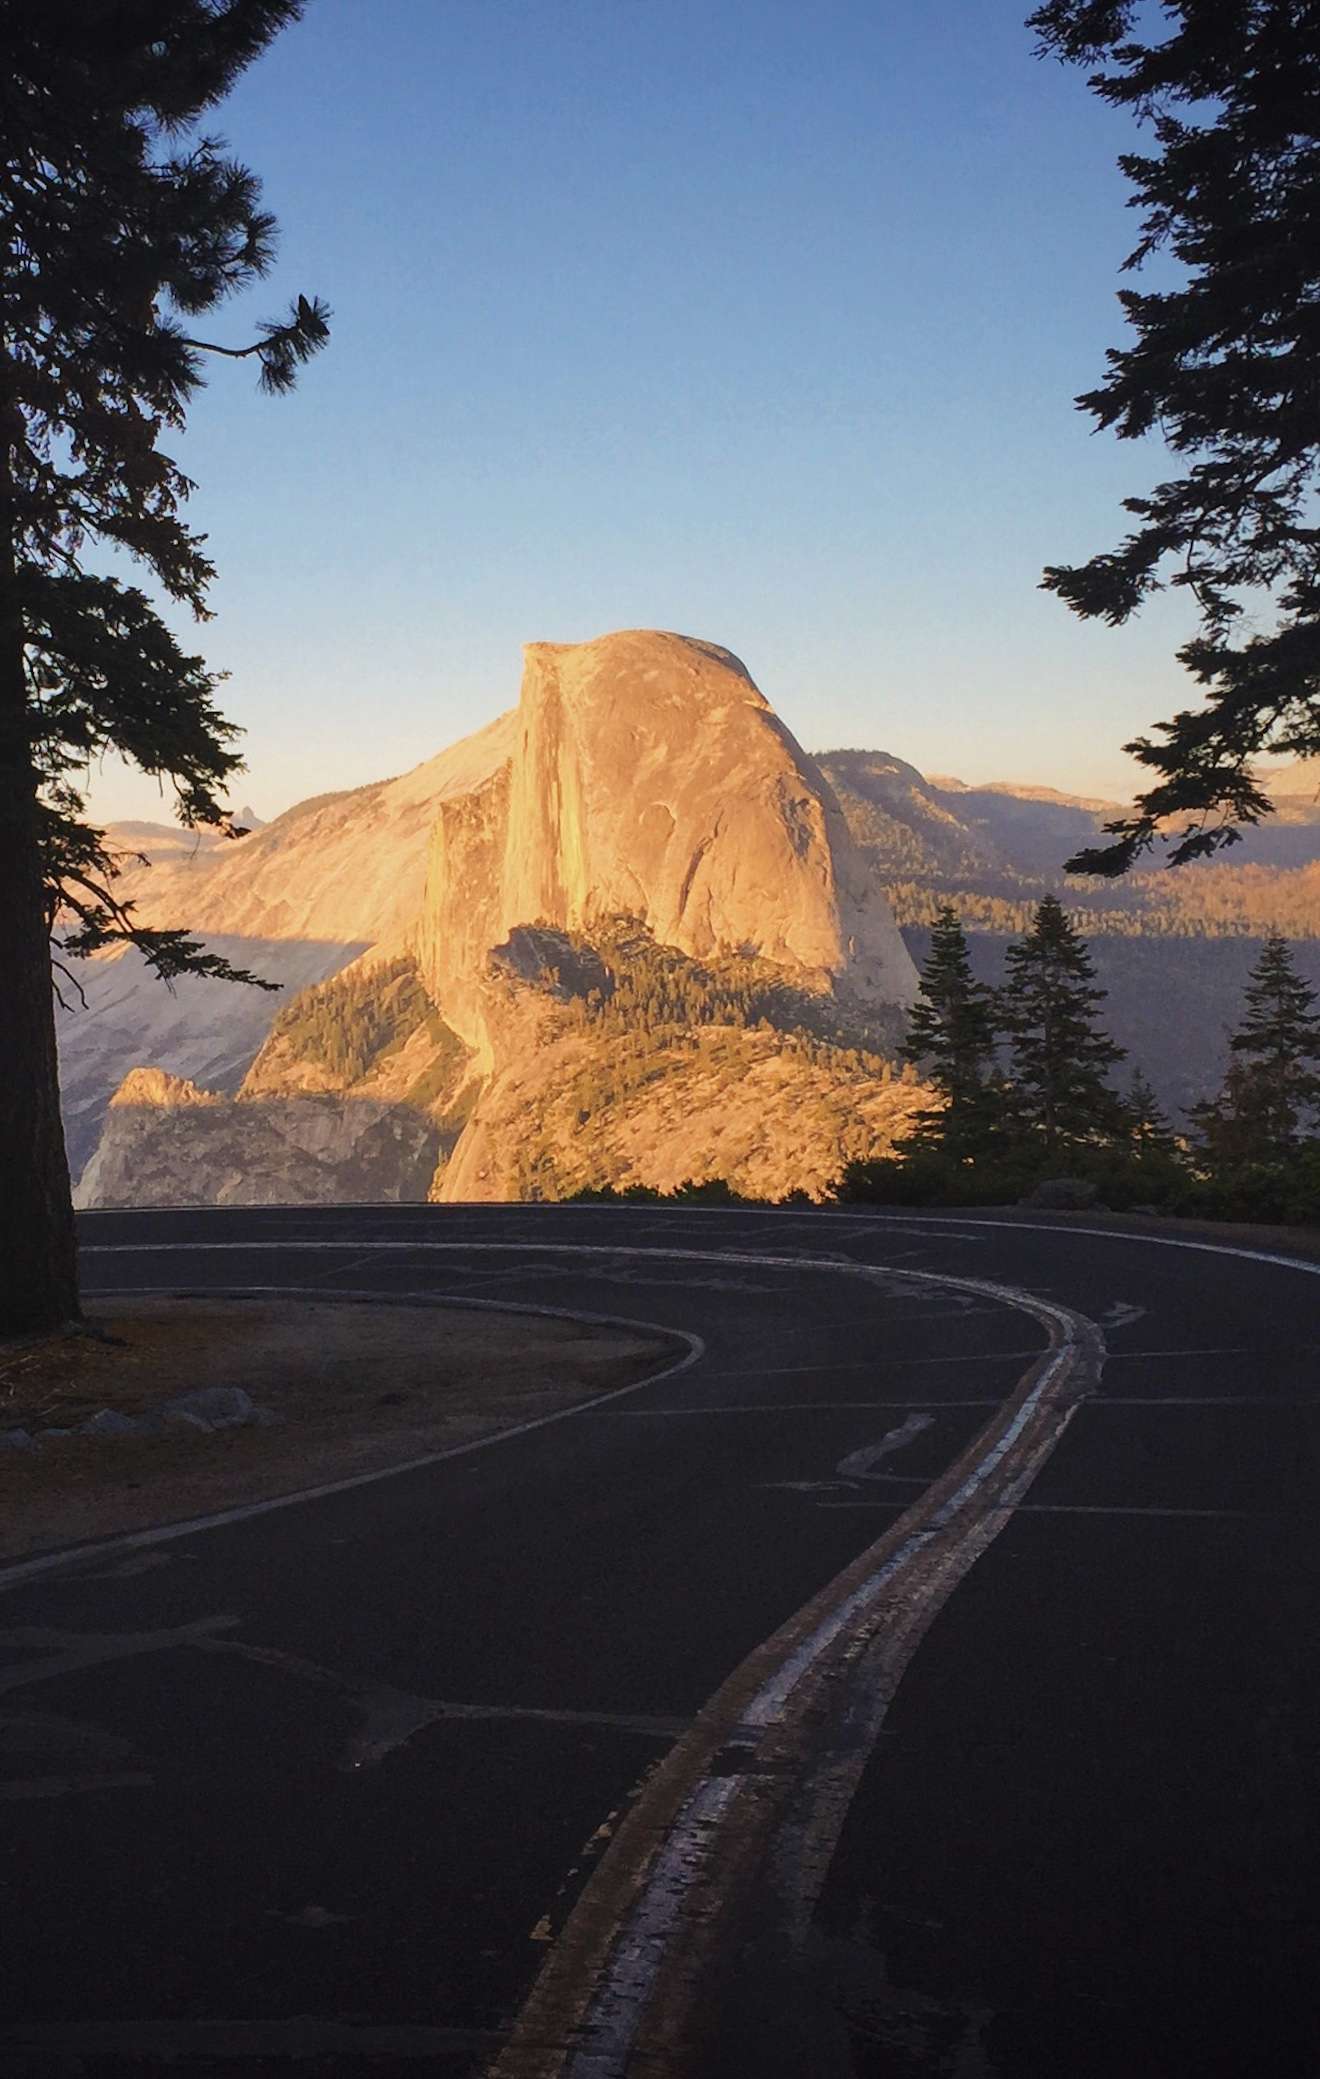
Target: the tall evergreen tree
(1225, 365)
(951, 1039)
(1149, 1131)
(1231, 1130)
(1059, 1058)
(120, 227)
(1272, 1088)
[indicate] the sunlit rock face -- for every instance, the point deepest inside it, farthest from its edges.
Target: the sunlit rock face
(642, 778)
(649, 777)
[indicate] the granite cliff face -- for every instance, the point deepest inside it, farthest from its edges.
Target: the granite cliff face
(640, 835)
(296, 901)
(167, 1143)
(649, 778)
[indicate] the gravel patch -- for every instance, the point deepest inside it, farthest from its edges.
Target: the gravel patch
(171, 1408)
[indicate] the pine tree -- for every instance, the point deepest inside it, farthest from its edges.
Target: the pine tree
(1058, 1057)
(1224, 364)
(1273, 1085)
(951, 1039)
(1149, 1131)
(120, 227)
(1230, 1131)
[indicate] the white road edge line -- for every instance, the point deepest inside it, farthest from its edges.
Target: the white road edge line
(361, 1250)
(135, 1540)
(830, 1407)
(877, 1217)
(1112, 1234)
(301, 1245)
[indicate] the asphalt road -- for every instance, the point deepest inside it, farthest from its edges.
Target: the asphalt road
(318, 1789)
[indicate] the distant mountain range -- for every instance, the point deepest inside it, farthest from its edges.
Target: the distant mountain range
(629, 932)
(1172, 946)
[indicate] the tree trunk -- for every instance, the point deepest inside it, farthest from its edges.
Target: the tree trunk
(38, 1251)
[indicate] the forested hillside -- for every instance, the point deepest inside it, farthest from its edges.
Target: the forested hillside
(1173, 948)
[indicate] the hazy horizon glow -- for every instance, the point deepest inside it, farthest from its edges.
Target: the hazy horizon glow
(759, 327)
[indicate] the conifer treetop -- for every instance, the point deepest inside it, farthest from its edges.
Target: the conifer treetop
(1059, 1056)
(1224, 363)
(951, 1039)
(122, 227)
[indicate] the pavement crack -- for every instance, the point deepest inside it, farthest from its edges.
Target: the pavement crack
(391, 1717)
(78, 1650)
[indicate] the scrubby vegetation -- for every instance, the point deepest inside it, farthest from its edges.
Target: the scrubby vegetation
(347, 1024)
(353, 1023)
(724, 1058)
(623, 981)
(636, 1058)
(769, 1112)
(710, 1191)
(1005, 1091)
(441, 1075)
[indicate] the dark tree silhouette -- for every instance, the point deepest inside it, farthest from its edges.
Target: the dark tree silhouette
(1225, 364)
(1273, 1084)
(1149, 1131)
(1059, 1096)
(951, 1039)
(120, 226)
(1231, 1131)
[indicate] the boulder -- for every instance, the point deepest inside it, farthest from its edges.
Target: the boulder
(109, 1422)
(214, 1407)
(183, 1418)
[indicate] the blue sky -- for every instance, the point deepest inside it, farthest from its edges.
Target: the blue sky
(758, 322)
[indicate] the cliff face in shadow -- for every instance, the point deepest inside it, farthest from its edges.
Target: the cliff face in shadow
(295, 901)
(167, 1143)
(210, 1032)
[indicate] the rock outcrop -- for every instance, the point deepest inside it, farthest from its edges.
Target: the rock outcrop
(500, 914)
(156, 1086)
(766, 1111)
(307, 1150)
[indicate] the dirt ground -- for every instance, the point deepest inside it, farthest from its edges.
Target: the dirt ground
(356, 1387)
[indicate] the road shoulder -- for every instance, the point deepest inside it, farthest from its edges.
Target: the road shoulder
(340, 1389)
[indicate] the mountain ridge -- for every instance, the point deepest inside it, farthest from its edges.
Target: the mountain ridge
(638, 857)
(643, 793)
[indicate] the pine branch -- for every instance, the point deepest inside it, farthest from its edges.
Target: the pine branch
(282, 349)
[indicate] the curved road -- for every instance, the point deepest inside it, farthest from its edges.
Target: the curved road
(888, 1689)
